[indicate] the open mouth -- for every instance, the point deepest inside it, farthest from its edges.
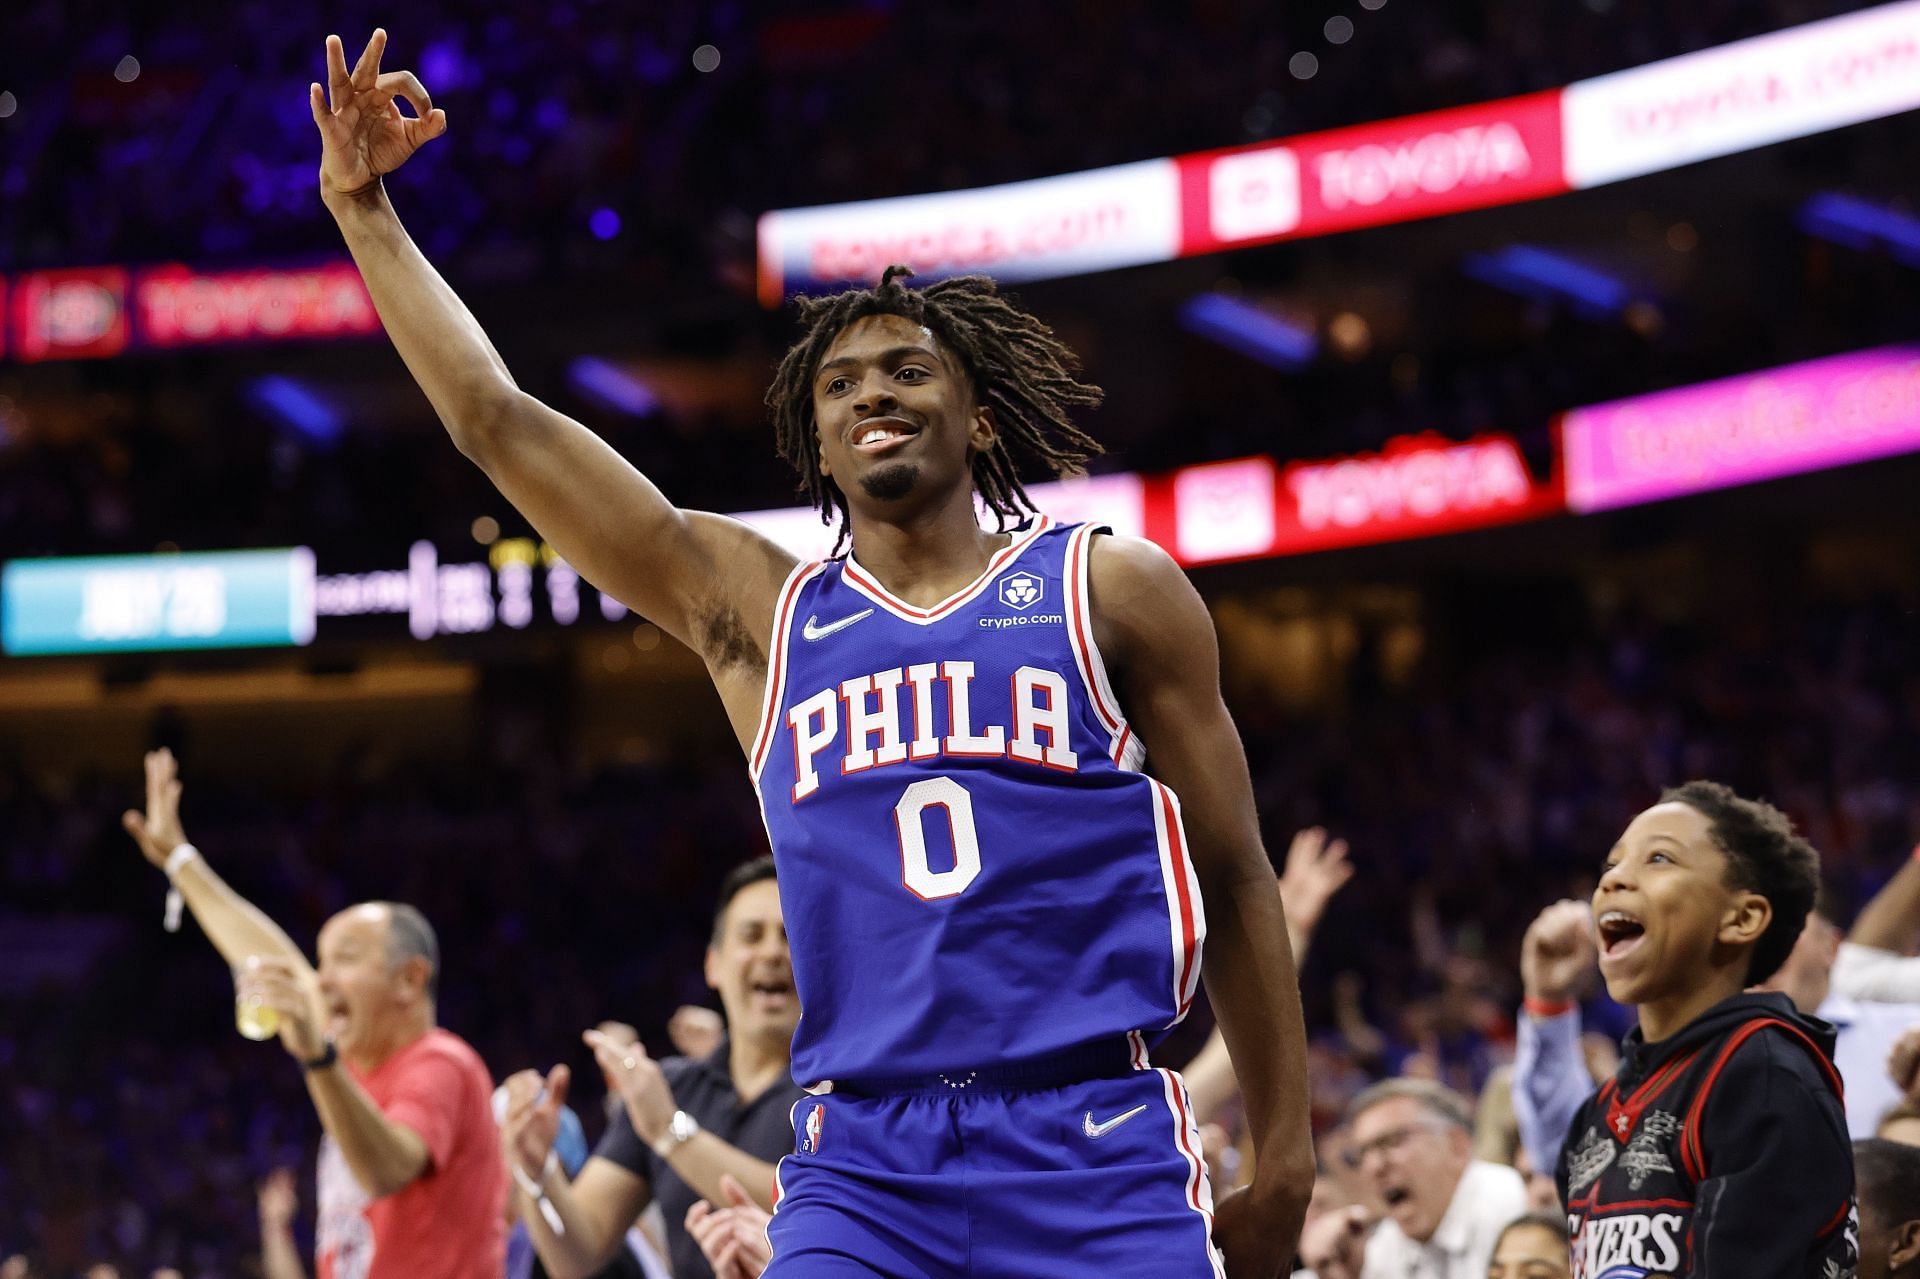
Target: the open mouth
(1394, 1196)
(882, 435)
(1620, 933)
(772, 989)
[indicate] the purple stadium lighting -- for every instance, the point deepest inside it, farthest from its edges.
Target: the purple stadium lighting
(1245, 328)
(612, 387)
(605, 224)
(1859, 224)
(296, 407)
(1546, 276)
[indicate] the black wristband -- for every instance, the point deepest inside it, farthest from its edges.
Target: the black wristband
(325, 1059)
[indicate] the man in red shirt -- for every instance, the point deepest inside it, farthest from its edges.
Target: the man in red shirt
(411, 1184)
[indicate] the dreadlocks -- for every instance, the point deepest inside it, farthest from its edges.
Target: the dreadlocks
(1019, 369)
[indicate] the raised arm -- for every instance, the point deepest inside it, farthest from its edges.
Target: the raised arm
(703, 578)
(1155, 631)
(1316, 870)
(238, 929)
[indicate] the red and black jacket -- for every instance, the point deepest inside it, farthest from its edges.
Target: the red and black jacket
(1719, 1153)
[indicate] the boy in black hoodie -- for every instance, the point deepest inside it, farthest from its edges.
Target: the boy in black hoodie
(1719, 1150)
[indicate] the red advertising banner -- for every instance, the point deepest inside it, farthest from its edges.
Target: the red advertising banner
(1368, 175)
(64, 315)
(1418, 486)
(178, 306)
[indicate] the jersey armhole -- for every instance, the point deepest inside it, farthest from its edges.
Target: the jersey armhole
(1123, 747)
(783, 611)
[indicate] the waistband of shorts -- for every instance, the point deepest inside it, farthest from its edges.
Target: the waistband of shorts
(1101, 1059)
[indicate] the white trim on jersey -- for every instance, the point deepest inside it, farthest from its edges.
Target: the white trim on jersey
(1187, 917)
(783, 611)
(1186, 1136)
(1122, 746)
(868, 585)
(1137, 1049)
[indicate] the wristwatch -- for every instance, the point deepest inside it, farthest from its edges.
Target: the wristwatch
(680, 1130)
(325, 1059)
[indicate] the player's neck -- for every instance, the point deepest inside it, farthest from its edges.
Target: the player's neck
(926, 555)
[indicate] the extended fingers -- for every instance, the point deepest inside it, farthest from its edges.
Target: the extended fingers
(337, 77)
(366, 72)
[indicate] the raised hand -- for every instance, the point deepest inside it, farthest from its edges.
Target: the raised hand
(158, 830)
(532, 1118)
(1335, 1246)
(362, 131)
(278, 1200)
(289, 991)
(1316, 869)
(695, 1031)
(642, 1086)
(1903, 1063)
(1557, 951)
(733, 1239)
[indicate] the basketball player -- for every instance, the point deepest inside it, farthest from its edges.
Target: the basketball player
(993, 910)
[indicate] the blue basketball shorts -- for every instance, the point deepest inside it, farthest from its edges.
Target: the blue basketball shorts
(1102, 1177)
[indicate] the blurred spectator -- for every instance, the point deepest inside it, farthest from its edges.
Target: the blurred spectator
(411, 1182)
(1887, 1181)
(1888, 1185)
(1532, 1247)
(685, 1123)
(1412, 1140)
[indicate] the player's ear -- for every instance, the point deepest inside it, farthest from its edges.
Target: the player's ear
(711, 968)
(1746, 919)
(1904, 1246)
(986, 429)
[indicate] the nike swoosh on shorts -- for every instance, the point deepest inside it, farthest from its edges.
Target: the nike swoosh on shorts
(1097, 1131)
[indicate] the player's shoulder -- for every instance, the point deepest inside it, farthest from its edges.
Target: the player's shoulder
(1121, 569)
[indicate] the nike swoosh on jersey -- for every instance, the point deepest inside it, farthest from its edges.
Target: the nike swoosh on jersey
(811, 632)
(1097, 1131)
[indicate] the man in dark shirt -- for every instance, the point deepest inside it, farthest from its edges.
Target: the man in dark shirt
(683, 1123)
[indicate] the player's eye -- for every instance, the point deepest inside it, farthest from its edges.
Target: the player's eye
(911, 374)
(836, 386)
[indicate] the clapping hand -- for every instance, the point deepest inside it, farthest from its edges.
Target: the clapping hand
(733, 1239)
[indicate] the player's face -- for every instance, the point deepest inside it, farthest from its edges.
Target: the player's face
(1413, 1159)
(1663, 909)
(358, 983)
(1529, 1252)
(895, 414)
(751, 968)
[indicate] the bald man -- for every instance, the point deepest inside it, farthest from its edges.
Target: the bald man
(411, 1182)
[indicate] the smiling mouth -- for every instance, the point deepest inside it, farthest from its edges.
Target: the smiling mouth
(882, 434)
(771, 989)
(1620, 933)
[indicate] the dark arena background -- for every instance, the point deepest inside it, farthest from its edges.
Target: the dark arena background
(1532, 391)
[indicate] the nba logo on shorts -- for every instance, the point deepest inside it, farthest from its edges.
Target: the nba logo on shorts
(1021, 590)
(810, 1133)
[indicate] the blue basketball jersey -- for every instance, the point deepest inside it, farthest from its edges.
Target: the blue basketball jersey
(973, 868)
